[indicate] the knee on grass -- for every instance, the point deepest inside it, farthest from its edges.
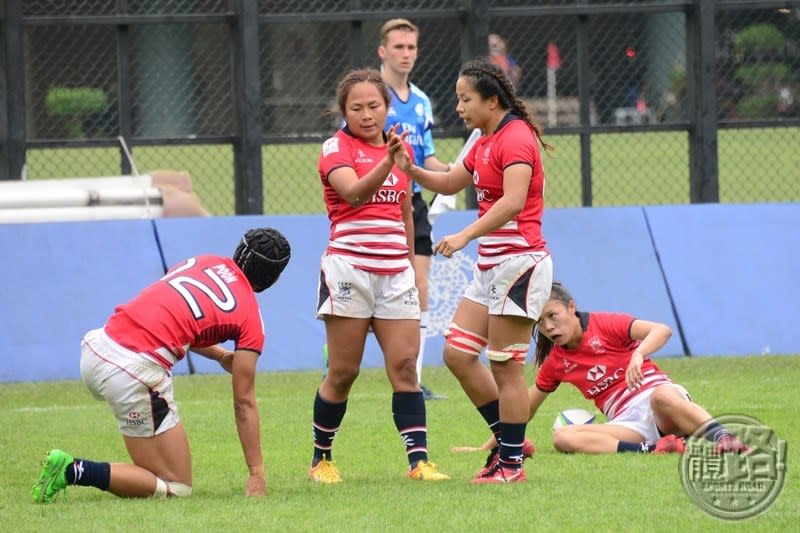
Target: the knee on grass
(167, 489)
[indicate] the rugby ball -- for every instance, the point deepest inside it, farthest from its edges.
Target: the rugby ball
(570, 417)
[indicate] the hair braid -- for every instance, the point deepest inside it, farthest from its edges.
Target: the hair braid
(491, 80)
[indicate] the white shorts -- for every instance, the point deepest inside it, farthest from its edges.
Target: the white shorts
(349, 292)
(138, 390)
(519, 286)
(638, 415)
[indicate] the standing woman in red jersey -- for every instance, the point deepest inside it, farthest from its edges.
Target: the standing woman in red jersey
(607, 357)
(514, 270)
(366, 279)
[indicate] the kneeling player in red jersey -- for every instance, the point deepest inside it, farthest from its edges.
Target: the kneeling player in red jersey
(128, 363)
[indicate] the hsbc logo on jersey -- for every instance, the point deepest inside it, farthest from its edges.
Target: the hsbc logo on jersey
(596, 372)
(387, 195)
(391, 180)
(604, 383)
(483, 195)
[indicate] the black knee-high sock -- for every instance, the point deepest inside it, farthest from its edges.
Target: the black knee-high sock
(511, 443)
(89, 474)
(624, 446)
(491, 414)
(408, 411)
(715, 431)
(327, 419)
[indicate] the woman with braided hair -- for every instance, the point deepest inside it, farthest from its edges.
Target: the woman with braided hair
(514, 271)
(199, 303)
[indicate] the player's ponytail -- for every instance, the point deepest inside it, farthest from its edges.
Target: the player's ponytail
(543, 346)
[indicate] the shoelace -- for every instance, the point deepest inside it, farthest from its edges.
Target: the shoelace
(491, 458)
(494, 470)
(498, 468)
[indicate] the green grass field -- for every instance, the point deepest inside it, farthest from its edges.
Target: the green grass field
(628, 169)
(564, 492)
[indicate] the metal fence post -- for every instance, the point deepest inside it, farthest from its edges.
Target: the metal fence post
(12, 80)
(585, 96)
(247, 162)
(475, 42)
(356, 37)
(124, 100)
(702, 98)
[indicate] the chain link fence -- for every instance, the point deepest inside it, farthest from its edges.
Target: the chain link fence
(642, 103)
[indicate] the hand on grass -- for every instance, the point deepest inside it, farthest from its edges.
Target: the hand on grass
(256, 486)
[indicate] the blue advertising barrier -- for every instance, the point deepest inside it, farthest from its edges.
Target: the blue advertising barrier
(61, 280)
(294, 337)
(727, 274)
(734, 274)
(604, 256)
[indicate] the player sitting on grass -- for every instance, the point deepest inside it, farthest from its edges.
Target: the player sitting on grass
(204, 301)
(607, 357)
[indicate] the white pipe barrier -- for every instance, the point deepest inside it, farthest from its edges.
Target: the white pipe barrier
(66, 214)
(104, 198)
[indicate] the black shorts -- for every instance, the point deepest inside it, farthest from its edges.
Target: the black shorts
(422, 228)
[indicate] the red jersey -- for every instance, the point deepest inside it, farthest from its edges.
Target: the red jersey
(513, 142)
(205, 301)
(597, 366)
(372, 236)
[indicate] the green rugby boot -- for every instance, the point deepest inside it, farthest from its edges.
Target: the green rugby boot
(53, 478)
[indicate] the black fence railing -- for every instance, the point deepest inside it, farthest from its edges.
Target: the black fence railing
(646, 102)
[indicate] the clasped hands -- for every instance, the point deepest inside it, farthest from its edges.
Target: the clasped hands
(449, 244)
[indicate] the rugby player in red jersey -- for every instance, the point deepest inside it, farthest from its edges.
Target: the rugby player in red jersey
(514, 269)
(202, 302)
(607, 357)
(367, 279)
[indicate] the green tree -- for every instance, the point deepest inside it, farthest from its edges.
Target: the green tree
(761, 72)
(73, 105)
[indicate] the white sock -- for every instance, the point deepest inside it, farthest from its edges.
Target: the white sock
(423, 328)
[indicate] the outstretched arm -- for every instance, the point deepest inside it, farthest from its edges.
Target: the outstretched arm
(516, 181)
(247, 419)
(535, 397)
(443, 182)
